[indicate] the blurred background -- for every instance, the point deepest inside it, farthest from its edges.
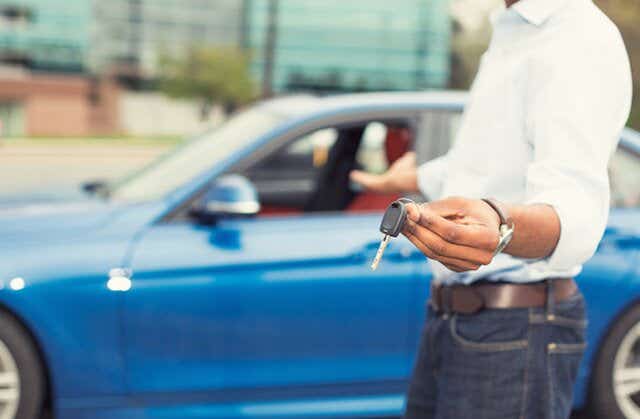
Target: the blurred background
(92, 89)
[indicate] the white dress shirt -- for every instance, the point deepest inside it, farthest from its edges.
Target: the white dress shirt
(545, 112)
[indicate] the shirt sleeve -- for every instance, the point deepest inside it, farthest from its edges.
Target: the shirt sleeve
(431, 177)
(576, 109)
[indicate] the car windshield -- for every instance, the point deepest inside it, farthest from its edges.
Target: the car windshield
(191, 159)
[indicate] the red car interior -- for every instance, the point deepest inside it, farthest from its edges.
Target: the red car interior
(397, 142)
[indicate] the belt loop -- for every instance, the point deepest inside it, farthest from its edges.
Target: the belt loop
(447, 301)
(434, 298)
(550, 300)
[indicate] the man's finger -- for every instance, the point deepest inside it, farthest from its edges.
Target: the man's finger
(371, 182)
(475, 236)
(413, 211)
(442, 248)
(453, 264)
(448, 207)
(457, 265)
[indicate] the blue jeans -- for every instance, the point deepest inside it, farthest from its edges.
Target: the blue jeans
(499, 363)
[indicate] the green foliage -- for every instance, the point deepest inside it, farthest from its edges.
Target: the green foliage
(212, 75)
(466, 49)
(626, 14)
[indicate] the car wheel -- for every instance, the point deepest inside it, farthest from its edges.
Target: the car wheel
(615, 387)
(22, 381)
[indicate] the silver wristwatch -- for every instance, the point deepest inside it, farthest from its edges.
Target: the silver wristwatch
(506, 225)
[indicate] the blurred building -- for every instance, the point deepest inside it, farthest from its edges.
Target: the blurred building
(58, 57)
(44, 104)
(130, 36)
(43, 88)
(334, 45)
(354, 45)
(47, 35)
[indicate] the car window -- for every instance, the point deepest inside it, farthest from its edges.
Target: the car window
(287, 178)
(313, 149)
(371, 156)
(624, 176)
(310, 174)
(437, 130)
(195, 157)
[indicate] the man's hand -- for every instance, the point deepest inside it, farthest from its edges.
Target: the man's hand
(460, 233)
(402, 176)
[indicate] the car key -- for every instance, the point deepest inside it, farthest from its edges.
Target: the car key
(391, 225)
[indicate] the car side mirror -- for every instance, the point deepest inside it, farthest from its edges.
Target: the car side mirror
(228, 196)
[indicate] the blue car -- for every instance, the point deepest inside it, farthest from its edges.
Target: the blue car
(230, 278)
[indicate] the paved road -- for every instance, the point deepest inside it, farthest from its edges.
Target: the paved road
(39, 169)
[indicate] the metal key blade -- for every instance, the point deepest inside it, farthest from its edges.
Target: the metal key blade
(383, 245)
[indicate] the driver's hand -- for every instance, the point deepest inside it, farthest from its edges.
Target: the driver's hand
(401, 177)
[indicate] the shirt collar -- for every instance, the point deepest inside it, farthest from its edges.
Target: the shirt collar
(537, 12)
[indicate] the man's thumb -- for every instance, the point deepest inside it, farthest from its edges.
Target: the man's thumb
(413, 212)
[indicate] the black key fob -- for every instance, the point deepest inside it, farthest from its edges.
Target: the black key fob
(394, 217)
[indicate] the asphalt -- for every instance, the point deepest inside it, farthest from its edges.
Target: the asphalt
(39, 169)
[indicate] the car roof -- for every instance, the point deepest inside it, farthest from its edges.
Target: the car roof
(297, 105)
(307, 104)
(631, 139)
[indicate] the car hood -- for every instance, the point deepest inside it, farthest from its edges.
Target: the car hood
(42, 221)
(41, 224)
(72, 238)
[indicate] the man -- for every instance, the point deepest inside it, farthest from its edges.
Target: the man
(506, 329)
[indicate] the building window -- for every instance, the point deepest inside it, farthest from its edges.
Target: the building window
(16, 15)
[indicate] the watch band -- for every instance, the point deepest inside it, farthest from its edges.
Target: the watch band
(503, 214)
(506, 225)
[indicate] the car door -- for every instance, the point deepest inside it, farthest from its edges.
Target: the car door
(270, 307)
(607, 278)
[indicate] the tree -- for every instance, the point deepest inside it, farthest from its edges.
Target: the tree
(209, 74)
(626, 14)
(467, 47)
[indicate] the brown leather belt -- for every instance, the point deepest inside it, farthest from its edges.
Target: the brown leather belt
(468, 299)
